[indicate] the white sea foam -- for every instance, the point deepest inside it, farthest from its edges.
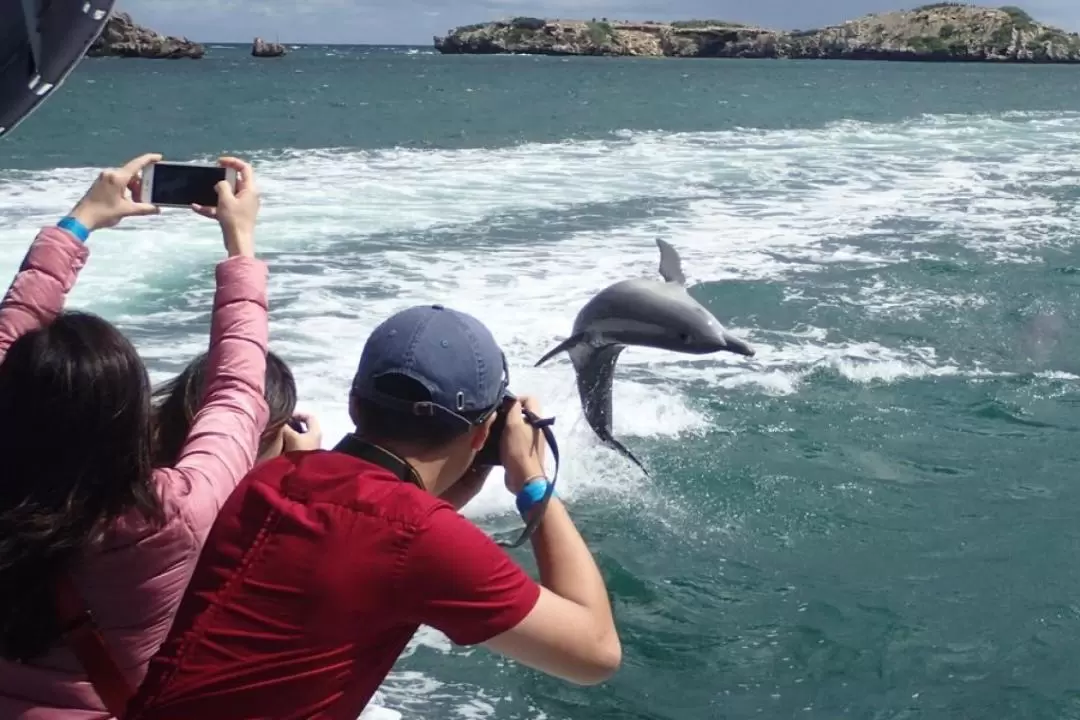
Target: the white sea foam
(522, 236)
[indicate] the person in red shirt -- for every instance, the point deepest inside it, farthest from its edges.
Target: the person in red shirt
(323, 564)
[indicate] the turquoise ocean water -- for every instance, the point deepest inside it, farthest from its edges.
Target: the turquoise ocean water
(878, 516)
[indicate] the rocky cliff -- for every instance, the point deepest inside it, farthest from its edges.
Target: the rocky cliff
(123, 38)
(939, 32)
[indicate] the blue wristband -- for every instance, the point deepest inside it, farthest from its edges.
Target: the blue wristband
(74, 227)
(531, 495)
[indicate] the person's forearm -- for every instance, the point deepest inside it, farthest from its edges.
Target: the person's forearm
(44, 279)
(567, 567)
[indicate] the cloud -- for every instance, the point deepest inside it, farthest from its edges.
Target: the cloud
(416, 21)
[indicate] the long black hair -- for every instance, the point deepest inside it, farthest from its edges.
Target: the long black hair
(75, 444)
(177, 401)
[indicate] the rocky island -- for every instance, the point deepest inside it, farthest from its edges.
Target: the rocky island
(261, 48)
(938, 32)
(123, 38)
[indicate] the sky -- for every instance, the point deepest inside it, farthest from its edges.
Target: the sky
(414, 22)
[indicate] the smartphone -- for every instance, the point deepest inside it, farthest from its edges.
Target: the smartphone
(169, 184)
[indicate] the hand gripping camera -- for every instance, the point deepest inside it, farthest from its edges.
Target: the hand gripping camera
(490, 454)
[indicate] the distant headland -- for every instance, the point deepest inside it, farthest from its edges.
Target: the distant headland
(939, 32)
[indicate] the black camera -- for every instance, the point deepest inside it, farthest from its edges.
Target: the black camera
(491, 453)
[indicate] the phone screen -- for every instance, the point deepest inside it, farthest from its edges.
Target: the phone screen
(185, 184)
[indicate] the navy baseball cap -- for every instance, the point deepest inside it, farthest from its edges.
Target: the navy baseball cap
(450, 353)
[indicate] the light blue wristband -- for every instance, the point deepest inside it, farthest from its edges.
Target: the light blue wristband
(531, 495)
(74, 227)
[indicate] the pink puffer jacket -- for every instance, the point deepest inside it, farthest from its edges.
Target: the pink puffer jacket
(134, 580)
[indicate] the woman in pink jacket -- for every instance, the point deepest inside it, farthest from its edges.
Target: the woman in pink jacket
(79, 500)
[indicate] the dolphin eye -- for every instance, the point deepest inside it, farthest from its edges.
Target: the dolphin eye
(685, 337)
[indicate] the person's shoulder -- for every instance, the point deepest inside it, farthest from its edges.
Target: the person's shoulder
(442, 524)
(331, 477)
(316, 463)
(312, 473)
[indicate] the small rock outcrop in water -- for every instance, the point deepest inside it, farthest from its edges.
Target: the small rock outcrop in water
(940, 32)
(261, 48)
(123, 38)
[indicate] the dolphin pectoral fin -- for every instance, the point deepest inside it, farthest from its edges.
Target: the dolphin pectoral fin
(596, 371)
(612, 442)
(561, 347)
(670, 263)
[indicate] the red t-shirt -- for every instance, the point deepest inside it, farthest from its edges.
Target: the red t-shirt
(316, 574)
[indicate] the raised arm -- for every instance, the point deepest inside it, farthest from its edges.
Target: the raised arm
(458, 581)
(464, 585)
(37, 293)
(571, 632)
(49, 270)
(223, 442)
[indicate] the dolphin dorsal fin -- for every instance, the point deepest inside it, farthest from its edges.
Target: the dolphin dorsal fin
(670, 264)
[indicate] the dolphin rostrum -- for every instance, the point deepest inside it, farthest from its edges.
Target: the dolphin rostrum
(642, 312)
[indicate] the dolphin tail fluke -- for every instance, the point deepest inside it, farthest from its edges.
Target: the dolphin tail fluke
(561, 347)
(611, 441)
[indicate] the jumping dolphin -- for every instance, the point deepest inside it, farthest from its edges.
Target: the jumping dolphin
(637, 312)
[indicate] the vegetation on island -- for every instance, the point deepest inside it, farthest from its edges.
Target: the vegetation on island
(944, 31)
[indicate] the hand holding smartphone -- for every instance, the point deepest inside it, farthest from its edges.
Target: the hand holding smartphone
(112, 196)
(169, 184)
(235, 205)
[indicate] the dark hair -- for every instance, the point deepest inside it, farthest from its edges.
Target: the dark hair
(178, 401)
(74, 457)
(377, 423)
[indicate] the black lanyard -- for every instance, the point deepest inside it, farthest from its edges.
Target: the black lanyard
(536, 514)
(369, 452)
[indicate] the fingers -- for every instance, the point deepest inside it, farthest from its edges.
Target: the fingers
(308, 419)
(291, 440)
(111, 178)
(245, 174)
(135, 166)
(134, 186)
(206, 212)
(233, 162)
(530, 403)
(513, 413)
(142, 209)
(310, 422)
(224, 191)
(310, 440)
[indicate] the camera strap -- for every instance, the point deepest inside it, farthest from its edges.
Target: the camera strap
(536, 514)
(369, 452)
